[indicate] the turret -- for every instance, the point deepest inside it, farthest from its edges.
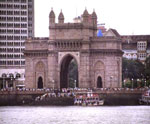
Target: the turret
(51, 17)
(61, 18)
(94, 18)
(51, 24)
(85, 16)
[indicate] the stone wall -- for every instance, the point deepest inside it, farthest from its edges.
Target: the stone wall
(110, 99)
(121, 99)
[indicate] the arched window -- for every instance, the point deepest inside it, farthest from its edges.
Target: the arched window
(18, 75)
(99, 82)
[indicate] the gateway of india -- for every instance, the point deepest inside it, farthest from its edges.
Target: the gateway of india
(99, 59)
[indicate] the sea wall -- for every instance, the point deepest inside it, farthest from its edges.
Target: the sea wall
(121, 98)
(15, 99)
(25, 98)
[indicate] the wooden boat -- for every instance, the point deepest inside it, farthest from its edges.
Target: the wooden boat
(145, 98)
(88, 99)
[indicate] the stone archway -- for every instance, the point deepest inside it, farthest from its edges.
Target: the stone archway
(99, 82)
(99, 71)
(64, 71)
(40, 83)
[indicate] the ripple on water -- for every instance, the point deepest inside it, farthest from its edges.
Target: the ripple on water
(75, 115)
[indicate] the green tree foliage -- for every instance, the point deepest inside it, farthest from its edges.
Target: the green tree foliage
(147, 68)
(128, 84)
(132, 69)
(147, 71)
(73, 73)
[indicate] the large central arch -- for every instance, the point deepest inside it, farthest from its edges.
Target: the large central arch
(64, 71)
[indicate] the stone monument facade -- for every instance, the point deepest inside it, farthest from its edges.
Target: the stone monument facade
(99, 59)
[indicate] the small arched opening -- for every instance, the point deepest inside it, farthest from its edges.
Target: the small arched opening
(40, 82)
(99, 82)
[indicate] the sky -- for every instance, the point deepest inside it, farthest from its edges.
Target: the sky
(128, 17)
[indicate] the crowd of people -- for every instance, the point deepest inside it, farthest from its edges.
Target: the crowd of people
(66, 90)
(54, 94)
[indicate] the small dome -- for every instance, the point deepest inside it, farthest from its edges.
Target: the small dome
(94, 15)
(85, 13)
(52, 14)
(61, 15)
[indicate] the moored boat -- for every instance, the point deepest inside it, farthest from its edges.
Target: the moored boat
(88, 99)
(145, 98)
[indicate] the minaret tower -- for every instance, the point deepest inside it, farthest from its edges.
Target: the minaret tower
(94, 21)
(61, 18)
(51, 17)
(94, 18)
(51, 24)
(85, 16)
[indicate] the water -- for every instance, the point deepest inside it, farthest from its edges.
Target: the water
(75, 115)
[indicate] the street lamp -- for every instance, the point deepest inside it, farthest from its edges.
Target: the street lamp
(138, 81)
(11, 81)
(132, 83)
(74, 83)
(7, 76)
(111, 77)
(124, 83)
(3, 82)
(53, 82)
(145, 83)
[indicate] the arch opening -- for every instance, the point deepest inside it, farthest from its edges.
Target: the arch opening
(69, 72)
(39, 72)
(40, 82)
(99, 82)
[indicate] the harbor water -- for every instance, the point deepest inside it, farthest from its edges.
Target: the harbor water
(75, 115)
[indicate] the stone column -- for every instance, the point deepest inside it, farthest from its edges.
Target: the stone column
(14, 84)
(84, 76)
(52, 75)
(6, 84)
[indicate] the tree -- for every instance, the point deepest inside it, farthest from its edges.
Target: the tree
(132, 69)
(73, 73)
(147, 70)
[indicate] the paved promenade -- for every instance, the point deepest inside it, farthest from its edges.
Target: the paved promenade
(76, 91)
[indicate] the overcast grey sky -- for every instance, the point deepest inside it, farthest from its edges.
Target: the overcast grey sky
(126, 16)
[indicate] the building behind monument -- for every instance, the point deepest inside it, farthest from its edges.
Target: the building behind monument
(16, 25)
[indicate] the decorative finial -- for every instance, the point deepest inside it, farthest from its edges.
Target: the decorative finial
(51, 8)
(93, 10)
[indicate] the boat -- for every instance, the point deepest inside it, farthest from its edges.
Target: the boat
(88, 99)
(145, 98)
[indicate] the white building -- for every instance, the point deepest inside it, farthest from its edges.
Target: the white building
(16, 24)
(136, 47)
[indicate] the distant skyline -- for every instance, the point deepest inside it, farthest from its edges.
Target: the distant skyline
(128, 17)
